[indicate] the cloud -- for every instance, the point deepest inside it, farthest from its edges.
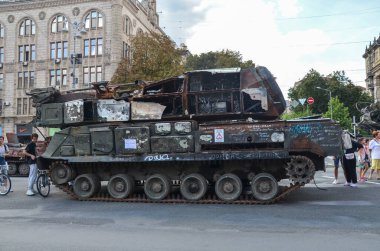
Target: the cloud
(252, 27)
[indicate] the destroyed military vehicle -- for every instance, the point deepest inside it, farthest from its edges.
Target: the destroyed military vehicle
(208, 136)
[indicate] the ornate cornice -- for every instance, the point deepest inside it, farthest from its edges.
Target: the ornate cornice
(39, 4)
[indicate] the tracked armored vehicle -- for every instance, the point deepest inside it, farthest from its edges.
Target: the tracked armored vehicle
(207, 136)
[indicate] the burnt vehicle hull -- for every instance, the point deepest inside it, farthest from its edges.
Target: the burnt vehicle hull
(207, 132)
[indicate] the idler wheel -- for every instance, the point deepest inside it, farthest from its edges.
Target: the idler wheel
(193, 186)
(264, 187)
(23, 169)
(86, 185)
(61, 173)
(120, 186)
(157, 187)
(228, 187)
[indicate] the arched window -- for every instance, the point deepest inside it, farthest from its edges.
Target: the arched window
(27, 27)
(128, 26)
(1, 30)
(93, 20)
(59, 23)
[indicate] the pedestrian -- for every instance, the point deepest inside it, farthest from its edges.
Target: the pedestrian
(3, 151)
(31, 154)
(363, 159)
(374, 148)
(337, 159)
(349, 164)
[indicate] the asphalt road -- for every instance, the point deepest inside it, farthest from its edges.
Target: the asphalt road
(339, 218)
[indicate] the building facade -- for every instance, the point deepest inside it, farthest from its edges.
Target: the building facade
(372, 66)
(65, 44)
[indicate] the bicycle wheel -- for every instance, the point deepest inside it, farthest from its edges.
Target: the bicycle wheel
(5, 184)
(43, 185)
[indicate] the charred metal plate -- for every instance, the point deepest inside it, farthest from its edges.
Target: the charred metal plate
(51, 114)
(162, 128)
(67, 150)
(259, 94)
(112, 110)
(172, 144)
(73, 111)
(320, 137)
(82, 144)
(102, 142)
(182, 127)
(146, 110)
(132, 140)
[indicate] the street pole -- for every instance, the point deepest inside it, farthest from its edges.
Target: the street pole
(74, 62)
(330, 107)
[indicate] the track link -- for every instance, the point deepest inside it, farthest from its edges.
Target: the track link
(178, 199)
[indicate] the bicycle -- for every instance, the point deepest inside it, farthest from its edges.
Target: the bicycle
(43, 183)
(5, 181)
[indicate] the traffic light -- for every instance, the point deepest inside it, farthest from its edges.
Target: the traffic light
(77, 57)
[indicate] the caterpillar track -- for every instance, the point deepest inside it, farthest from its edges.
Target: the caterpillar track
(176, 198)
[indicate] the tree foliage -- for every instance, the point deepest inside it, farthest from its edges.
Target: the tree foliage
(336, 82)
(216, 59)
(295, 114)
(154, 57)
(340, 113)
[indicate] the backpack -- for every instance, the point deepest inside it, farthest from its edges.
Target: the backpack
(347, 143)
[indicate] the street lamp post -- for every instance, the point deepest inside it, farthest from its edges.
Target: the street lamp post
(320, 88)
(78, 28)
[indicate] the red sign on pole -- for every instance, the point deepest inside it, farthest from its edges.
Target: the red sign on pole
(310, 100)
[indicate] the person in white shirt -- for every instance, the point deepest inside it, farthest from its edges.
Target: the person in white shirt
(374, 148)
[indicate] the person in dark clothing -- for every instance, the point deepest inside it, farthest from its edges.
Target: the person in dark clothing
(31, 153)
(349, 164)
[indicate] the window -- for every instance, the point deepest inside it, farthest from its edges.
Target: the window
(30, 107)
(59, 24)
(1, 30)
(1, 81)
(26, 53)
(27, 28)
(58, 77)
(94, 20)
(1, 55)
(126, 50)
(23, 106)
(1, 107)
(18, 106)
(93, 47)
(25, 79)
(128, 26)
(92, 74)
(59, 50)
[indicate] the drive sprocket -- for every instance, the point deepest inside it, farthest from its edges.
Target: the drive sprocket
(300, 169)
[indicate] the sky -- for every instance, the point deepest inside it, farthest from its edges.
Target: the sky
(289, 37)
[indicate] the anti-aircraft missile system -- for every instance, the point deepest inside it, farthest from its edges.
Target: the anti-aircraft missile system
(206, 136)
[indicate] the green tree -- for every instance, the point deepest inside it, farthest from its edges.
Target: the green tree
(339, 85)
(217, 59)
(295, 114)
(154, 57)
(340, 113)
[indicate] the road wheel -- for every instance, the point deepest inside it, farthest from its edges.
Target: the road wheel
(157, 187)
(23, 169)
(12, 168)
(193, 186)
(86, 185)
(264, 187)
(120, 186)
(228, 187)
